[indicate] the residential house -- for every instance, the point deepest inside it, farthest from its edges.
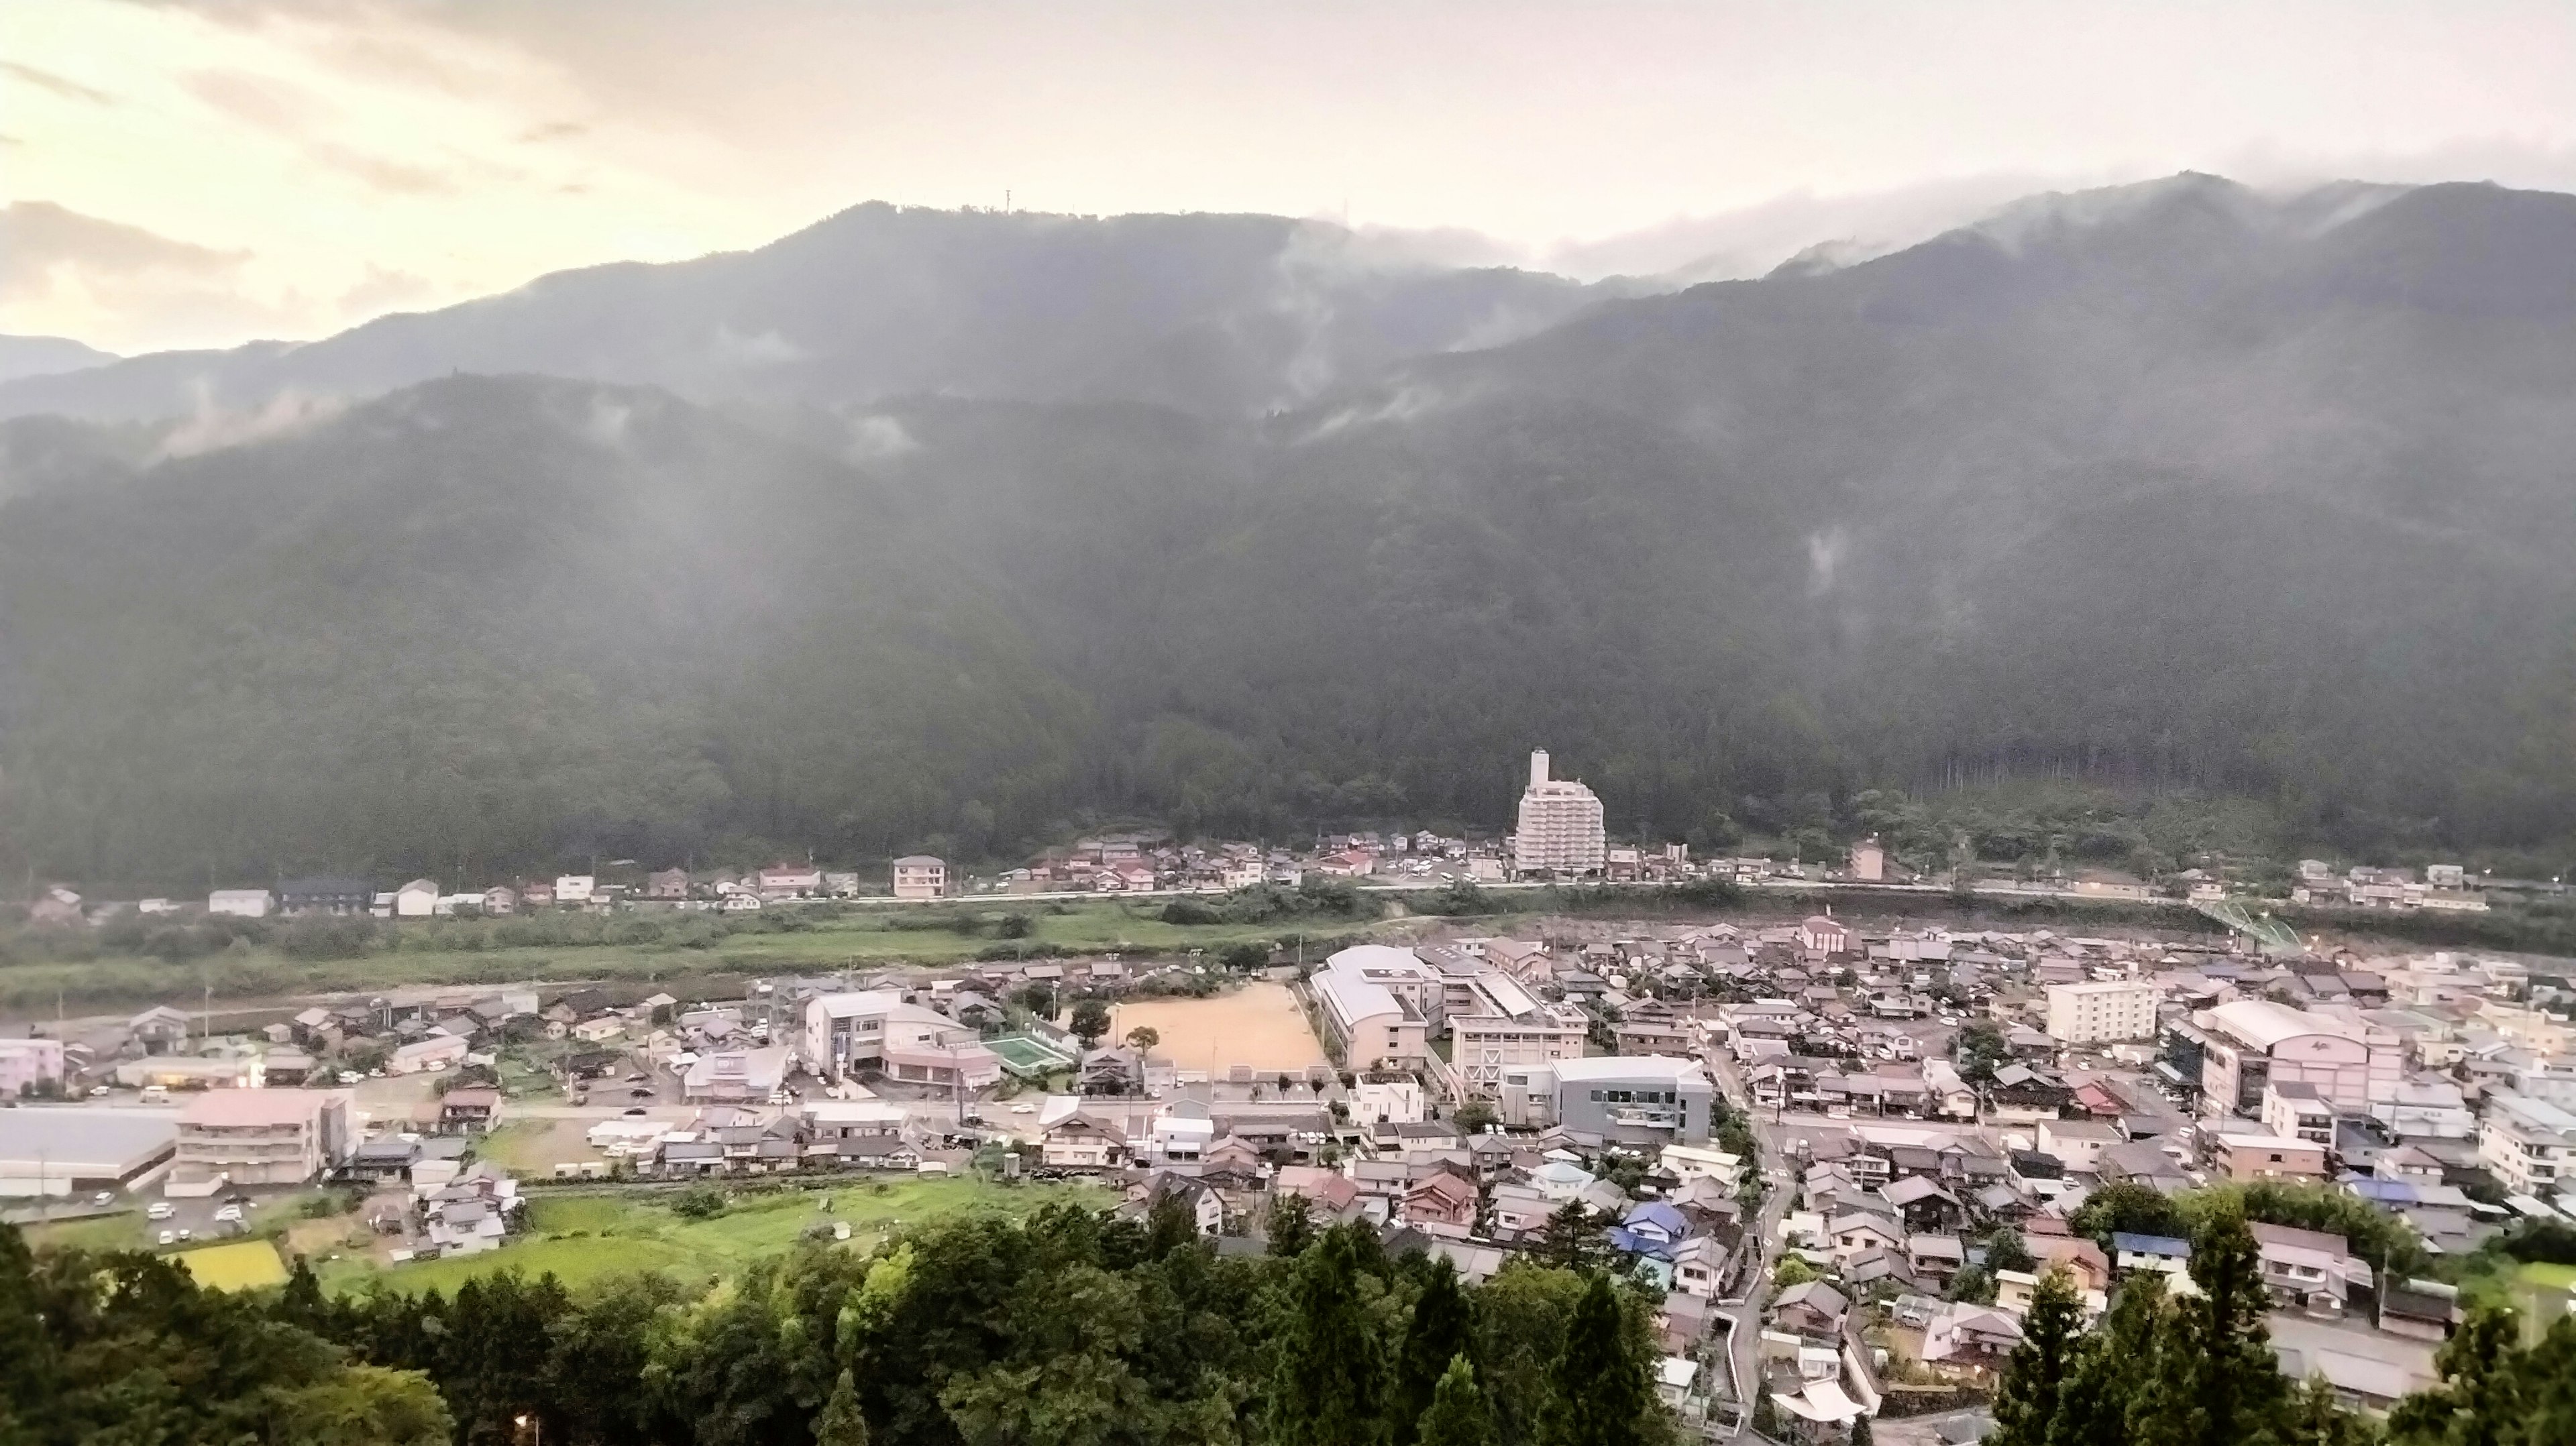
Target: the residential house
(2306, 1269)
(920, 876)
(1441, 1201)
(1813, 1310)
(469, 1109)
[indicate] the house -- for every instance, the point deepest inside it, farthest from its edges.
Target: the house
(241, 903)
(417, 899)
(1975, 1338)
(922, 876)
(469, 1109)
(1441, 1201)
(2528, 1144)
(667, 884)
(1082, 1142)
(1196, 1199)
(2251, 1156)
(1859, 1230)
(1814, 1310)
(574, 890)
(433, 1052)
(735, 1076)
(1698, 1264)
(325, 896)
(158, 1029)
(2306, 1269)
(2162, 1254)
(500, 900)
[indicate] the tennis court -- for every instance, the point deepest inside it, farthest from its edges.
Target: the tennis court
(1030, 1057)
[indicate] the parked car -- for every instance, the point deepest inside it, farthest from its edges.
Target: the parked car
(103, 1197)
(160, 1210)
(229, 1212)
(169, 1237)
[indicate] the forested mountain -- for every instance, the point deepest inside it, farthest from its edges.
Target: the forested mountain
(2175, 484)
(30, 356)
(1209, 313)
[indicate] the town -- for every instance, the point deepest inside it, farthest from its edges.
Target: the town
(1843, 1154)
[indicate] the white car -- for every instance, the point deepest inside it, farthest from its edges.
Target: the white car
(103, 1197)
(160, 1210)
(169, 1237)
(1024, 1108)
(229, 1212)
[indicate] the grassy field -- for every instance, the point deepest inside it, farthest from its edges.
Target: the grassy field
(582, 1238)
(242, 1265)
(859, 940)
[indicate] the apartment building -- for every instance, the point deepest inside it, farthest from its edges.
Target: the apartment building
(2100, 1011)
(1559, 830)
(2294, 1111)
(2253, 1156)
(258, 1137)
(29, 1065)
(1611, 1097)
(920, 876)
(2528, 1144)
(875, 1030)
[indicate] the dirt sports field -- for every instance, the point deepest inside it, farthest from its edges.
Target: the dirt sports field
(1258, 1025)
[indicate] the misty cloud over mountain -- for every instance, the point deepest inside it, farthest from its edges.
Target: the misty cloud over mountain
(964, 527)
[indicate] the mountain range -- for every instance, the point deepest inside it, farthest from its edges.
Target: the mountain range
(955, 530)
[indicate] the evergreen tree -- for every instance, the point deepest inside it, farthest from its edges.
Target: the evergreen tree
(2026, 1404)
(1571, 1239)
(2218, 1383)
(2315, 1418)
(1292, 1225)
(1601, 1392)
(1458, 1415)
(2549, 1384)
(2477, 1403)
(1860, 1432)
(1326, 1389)
(1439, 1335)
(2100, 1400)
(841, 1423)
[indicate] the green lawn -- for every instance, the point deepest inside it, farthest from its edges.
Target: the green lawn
(863, 939)
(120, 1231)
(584, 1237)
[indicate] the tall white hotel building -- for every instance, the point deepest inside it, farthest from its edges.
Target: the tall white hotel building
(1560, 825)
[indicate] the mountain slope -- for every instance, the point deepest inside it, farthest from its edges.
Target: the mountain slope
(1216, 314)
(2175, 485)
(33, 356)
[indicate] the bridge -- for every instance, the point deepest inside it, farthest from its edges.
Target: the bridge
(2272, 935)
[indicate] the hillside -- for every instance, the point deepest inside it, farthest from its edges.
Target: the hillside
(1208, 313)
(2176, 486)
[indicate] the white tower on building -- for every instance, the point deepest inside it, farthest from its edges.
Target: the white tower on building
(1560, 825)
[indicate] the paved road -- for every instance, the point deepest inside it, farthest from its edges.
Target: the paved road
(1762, 1236)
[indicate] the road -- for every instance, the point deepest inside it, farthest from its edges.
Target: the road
(1744, 1333)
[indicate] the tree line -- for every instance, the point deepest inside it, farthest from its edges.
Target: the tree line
(2197, 1368)
(1072, 1328)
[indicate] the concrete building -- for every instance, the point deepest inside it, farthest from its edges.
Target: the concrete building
(1559, 829)
(1649, 1100)
(28, 1066)
(56, 1151)
(876, 1031)
(1378, 1005)
(1503, 1025)
(2293, 1111)
(2252, 1042)
(258, 1137)
(919, 876)
(1868, 861)
(2100, 1011)
(2255, 1156)
(2529, 1145)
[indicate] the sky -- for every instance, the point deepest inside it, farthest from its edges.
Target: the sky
(180, 175)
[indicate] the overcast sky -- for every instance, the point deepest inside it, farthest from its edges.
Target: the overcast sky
(180, 175)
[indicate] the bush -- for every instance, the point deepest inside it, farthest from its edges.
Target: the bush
(698, 1202)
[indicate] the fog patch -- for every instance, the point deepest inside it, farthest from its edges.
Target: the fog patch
(733, 350)
(210, 428)
(878, 438)
(606, 423)
(1826, 551)
(1404, 404)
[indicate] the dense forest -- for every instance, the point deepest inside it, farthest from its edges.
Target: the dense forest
(1076, 1328)
(2175, 491)
(1070, 1330)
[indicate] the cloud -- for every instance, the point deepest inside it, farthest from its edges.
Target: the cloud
(44, 246)
(878, 438)
(46, 80)
(261, 100)
(553, 131)
(383, 291)
(397, 177)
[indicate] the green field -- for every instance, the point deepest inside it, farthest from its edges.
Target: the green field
(242, 1265)
(583, 1237)
(860, 940)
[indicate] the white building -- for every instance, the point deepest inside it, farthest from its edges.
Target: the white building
(1375, 1001)
(2102, 1010)
(416, 900)
(920, 876)
(2255, 1041)
(876, 1030)
(1559, 830)
(1502, 1025)
(574, 889)
(2529, 1145)
(241, 903)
